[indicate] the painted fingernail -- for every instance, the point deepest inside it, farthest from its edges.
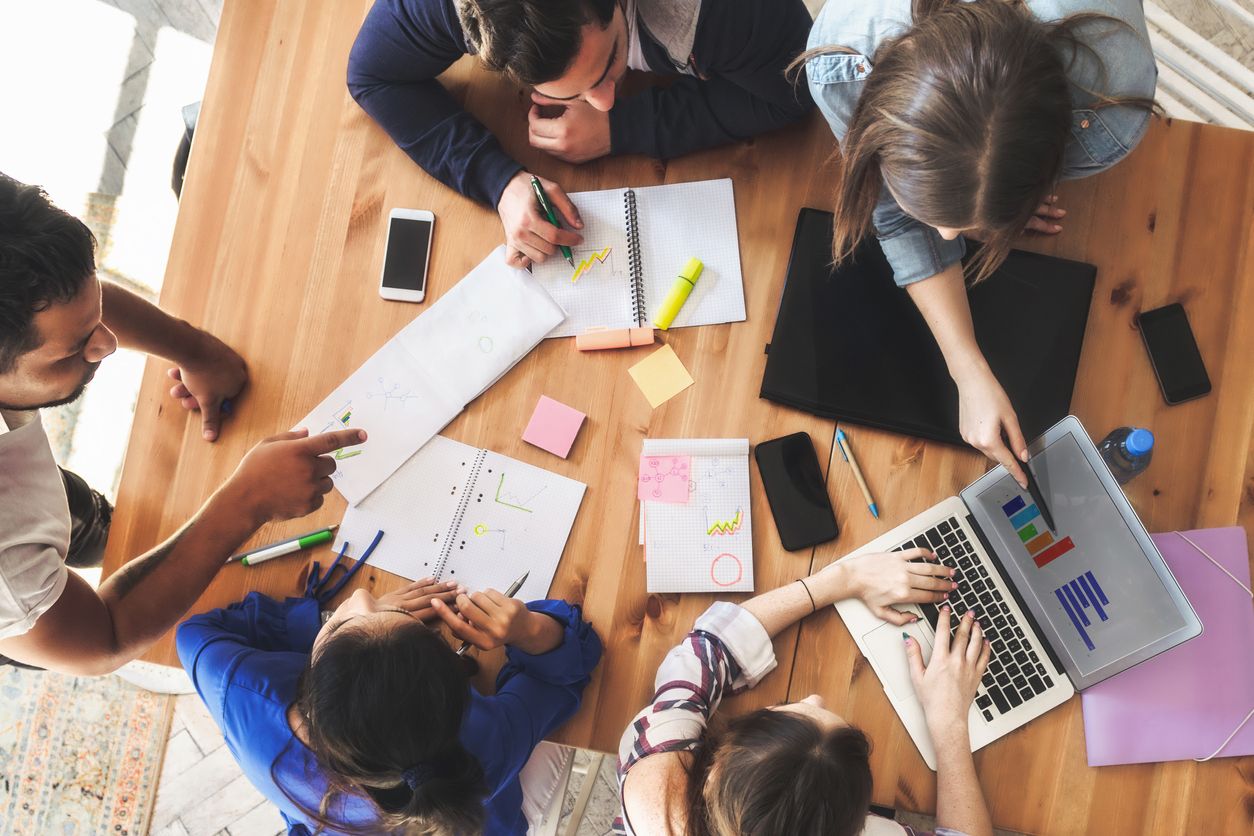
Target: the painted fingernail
(987, 642)
(953, 572)
(969, 614)
(944, 594)
(955, 585)
(945, 608)
(906, 637)
(913, 620)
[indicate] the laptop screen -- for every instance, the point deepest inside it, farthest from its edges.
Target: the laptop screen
(1089, 583)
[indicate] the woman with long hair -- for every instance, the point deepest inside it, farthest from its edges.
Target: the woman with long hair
(795, 769)
(956, 120)
(366, 722)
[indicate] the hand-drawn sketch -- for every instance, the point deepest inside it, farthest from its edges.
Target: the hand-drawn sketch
(520, 504)
(665, 470)
(391, 394)
(731, 526)
(586, 264)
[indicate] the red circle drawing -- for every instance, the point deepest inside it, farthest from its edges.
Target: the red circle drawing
(740, 570)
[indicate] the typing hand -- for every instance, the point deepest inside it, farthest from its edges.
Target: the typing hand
(287, 475)
(416, 597)
(528, 234)
(216, 374)
(987, 421)
(946, 687)
(886, 578)
(571, 130)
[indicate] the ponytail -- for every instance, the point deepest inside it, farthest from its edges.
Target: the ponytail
(383, 710)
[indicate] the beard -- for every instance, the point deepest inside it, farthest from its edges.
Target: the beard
(70, 398)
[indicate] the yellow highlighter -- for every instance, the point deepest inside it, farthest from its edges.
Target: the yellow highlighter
(678, 293)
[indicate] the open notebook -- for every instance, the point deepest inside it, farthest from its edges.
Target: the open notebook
(635, 243)
(455, 512)
(705, 544)
(426, 374)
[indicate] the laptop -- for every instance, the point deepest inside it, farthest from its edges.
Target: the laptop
(1063, 609)
(849, 344)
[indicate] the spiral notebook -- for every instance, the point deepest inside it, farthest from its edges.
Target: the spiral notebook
(635, 243)
(706, 543)
(456, 512)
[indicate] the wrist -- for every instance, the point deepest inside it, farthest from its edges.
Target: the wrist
(835, 583)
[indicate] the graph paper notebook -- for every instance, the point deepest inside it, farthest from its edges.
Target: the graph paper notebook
(705, 544)
(455, 512)
(421, 378)
(635, 243)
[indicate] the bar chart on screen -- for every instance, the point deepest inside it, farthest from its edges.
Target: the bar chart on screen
(1080, 594)
(1033, 533)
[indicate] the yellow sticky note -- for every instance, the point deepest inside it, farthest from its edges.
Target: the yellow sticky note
(661, 376)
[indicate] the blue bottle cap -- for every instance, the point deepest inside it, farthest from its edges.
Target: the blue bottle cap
(1139, 442)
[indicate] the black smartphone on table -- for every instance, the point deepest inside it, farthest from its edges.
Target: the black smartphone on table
(1173, 353)
(796, 491)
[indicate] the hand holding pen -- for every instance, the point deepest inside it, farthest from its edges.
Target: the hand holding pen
(489, 619)
(529, 234)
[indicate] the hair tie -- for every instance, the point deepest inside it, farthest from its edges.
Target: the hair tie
(417, 775)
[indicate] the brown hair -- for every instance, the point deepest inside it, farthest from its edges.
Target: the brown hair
(378, 704)
(965, 120)
(777, 773)
(532, 41)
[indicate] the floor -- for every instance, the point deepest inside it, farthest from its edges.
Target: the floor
(98, 127)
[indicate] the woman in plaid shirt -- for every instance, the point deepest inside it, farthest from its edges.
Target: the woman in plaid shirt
(795, 769)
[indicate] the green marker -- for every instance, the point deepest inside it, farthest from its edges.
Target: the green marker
(543, 199)
(294, 544)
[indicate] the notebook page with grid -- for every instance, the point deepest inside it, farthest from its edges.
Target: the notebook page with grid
(691, 220)
(455, 512)
(602, 298)
(706, 544)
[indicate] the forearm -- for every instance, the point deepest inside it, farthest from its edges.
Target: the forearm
(543, 633)
(960, 802)
(148, 595)
(942, 300)
(142, 326)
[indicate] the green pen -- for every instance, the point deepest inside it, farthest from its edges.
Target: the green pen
(292, 544)
(548, 210)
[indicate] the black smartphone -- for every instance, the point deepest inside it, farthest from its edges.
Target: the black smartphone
(1173, 353)
(796, 492)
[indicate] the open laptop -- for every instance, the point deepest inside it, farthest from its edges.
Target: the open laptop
(1064, 610)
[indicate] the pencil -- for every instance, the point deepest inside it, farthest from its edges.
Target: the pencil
(847, 452)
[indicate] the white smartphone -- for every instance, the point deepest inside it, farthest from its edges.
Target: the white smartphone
(407, 255)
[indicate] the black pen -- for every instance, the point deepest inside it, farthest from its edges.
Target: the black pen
(1037, 496)
(509, 593)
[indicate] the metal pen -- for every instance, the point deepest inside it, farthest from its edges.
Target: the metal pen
(509, 593)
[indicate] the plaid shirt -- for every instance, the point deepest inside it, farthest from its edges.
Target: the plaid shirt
(727, 652)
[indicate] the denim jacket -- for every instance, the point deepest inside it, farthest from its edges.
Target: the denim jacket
(1099, 138)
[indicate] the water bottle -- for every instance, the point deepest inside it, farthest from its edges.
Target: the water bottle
(1127, 451)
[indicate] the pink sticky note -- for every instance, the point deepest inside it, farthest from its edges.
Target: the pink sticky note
(664, 478)
(553, 426)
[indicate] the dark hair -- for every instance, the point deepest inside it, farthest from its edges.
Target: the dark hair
(532, 41)
(46, 256)
(965, 119)
(777, 773)
(378, 703)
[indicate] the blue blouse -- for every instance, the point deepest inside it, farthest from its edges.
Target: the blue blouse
(245, 660)
(1099, 137)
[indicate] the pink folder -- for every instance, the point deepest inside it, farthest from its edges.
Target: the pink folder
(1185, 702)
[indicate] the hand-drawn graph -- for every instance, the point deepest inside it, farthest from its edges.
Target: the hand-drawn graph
(340, 454)
(482, 530)
(512, 500)
(344, 413)
(714, 475)
(586, 265)
(343, 416)
(390, 394)
(725, 527)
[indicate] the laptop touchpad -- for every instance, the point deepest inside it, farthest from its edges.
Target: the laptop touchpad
(886, 646)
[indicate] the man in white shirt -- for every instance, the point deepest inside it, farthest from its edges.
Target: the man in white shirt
(58, 321)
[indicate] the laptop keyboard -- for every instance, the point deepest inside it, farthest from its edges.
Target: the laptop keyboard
(1015, 672)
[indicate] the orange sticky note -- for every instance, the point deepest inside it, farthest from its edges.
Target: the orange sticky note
(661, 376)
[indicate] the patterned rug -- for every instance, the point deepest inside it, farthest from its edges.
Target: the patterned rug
(78, 756)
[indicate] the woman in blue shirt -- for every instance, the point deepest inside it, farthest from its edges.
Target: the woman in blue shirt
(367, 723)
(957, 119)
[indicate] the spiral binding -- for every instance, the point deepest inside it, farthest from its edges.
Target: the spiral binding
(455, 528)
(633, 258)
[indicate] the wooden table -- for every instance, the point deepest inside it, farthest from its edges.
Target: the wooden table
(278, 248)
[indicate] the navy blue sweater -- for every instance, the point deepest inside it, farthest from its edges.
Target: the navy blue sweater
(741, 50)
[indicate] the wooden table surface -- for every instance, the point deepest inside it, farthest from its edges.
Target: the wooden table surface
(278, 248)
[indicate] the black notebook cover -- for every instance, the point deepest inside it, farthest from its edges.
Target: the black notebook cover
(849, 344)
